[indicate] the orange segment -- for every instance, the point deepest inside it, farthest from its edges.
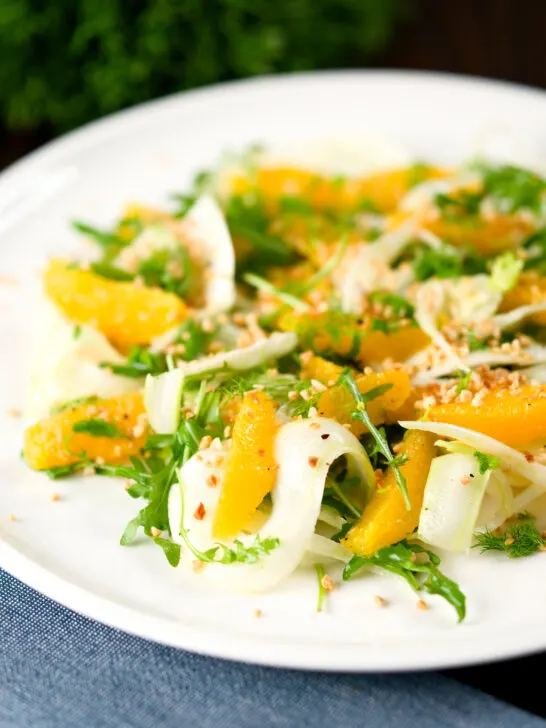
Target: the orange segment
(386, 520)
(251, 469)
(530, 288)
(341, 334)
(51, 442)
(127, 314)
(515, 419)
(489, 237)
(397, 345)
(336, 403)
(382, 190)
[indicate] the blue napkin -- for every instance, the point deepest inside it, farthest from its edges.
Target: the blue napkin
(61, 670)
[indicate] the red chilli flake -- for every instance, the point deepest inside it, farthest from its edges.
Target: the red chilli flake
(199, 512)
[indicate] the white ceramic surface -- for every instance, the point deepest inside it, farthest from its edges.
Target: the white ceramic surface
(69, 549)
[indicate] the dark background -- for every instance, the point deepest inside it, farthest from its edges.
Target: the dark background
(497, 38)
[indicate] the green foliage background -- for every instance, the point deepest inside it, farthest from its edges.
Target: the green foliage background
(63, 62)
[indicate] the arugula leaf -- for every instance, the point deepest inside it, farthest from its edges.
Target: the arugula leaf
(140, 362)
(63, 471)
(486, 462)
(319, 568)
(513, 188)
(518, 538)
(170, 549)
(108, 270)
(446, 262)
(98, 428)
(460, 206)
(107, 240)
(347, 380)
(247, 219)
(402, 559)
(401, 307)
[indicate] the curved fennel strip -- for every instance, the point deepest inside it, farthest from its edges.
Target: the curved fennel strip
(206, 226)
(162, 394)
(296, 498)
(512, 462)
(455, 501)
(367, 266)
(68, 359)
(532, 354)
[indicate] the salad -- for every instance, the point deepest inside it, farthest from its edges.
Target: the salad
(296, 366)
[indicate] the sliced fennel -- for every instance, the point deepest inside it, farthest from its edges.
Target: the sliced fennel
(507, 320)
(429, 302)
(512, 462)
(67, 365)
(162, 394)
(205, 223)
(296, 499)
(368, 266)
(154, 237)
(533, 353)
(451, 510)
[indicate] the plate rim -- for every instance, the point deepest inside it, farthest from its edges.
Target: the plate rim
(234, 645)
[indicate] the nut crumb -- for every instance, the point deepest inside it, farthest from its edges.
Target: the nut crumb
(205, 442)
(313, 412)
(13, 412)
(422, 605)
(313, 461)
(509, 541)
(314, 426)
(54, 497)
(197, 565)
(212, 481)
(327, 583)
(12, 517)
(155, 532)
(258, 613)
(380, 601)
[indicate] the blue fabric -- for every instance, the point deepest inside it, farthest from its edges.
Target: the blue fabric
(61, 670)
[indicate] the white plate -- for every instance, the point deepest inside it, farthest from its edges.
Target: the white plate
(69, 549)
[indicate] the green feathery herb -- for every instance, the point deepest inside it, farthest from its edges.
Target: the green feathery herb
(486, 462)
(418, 566)
(519, 537)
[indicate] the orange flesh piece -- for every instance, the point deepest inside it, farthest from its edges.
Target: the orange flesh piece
(530, 288)
(372, 347)
(515, 419)
(488, 237)
(337, 403)
(251, 469)
(51, 442)
(386, 520)
(125, 313)
(383, 190)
